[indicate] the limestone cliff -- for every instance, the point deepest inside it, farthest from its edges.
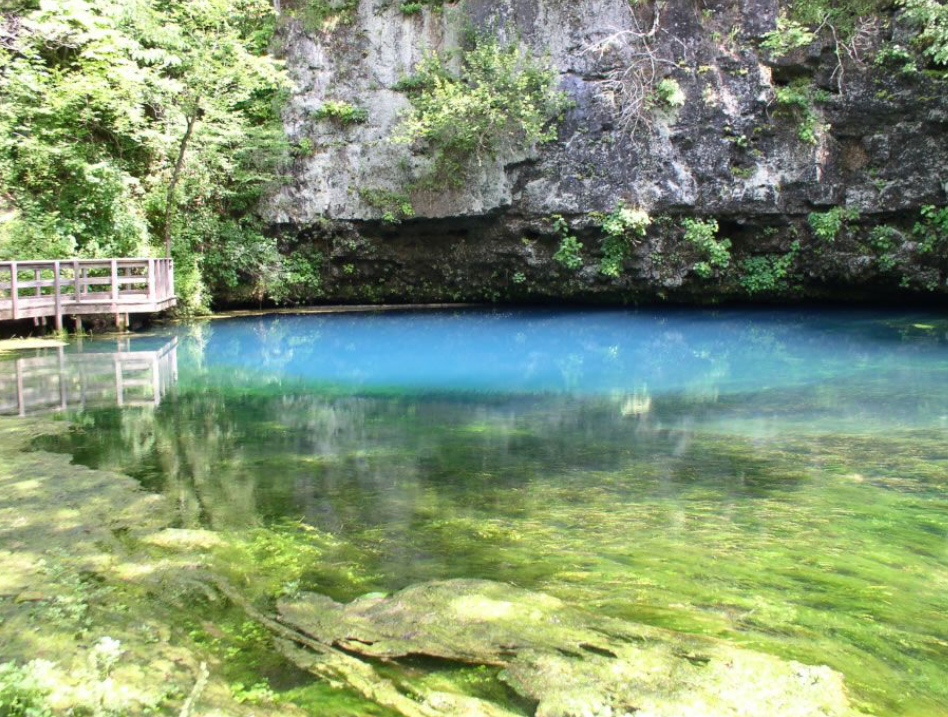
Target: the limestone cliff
(860, 133)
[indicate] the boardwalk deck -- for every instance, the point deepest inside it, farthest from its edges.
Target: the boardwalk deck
(77, 287)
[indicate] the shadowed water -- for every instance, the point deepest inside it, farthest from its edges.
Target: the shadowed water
(779, 479)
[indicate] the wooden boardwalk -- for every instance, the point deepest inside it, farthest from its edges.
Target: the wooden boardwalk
(57, 380)
(77, 287)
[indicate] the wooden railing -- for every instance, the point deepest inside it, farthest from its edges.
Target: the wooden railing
(58, 380)
(74, 287)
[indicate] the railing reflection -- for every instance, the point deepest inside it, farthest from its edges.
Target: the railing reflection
(59, 380)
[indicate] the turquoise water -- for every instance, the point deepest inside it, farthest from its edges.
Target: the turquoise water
(775, 478)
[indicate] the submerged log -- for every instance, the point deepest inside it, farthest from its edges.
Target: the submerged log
(568, 661)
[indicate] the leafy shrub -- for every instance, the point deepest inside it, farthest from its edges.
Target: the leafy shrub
(341, 112)
(931, 17)
(412, 83)
(569, 252)
(883, 240)
(842, 15)
(314, 14)
(715, 253)
(411, 8)
(300, 278)
(896, 56)
(502, 98)
(827, 225)
(394, 206)
(788, 36)
(668, 93)
(796, 99)
(931, 229)
(769, 273)
(622, 227)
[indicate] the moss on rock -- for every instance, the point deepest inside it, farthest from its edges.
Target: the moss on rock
(570, 661)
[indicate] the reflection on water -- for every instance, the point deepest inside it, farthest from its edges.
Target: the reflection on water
(778, 479)
(112, 375)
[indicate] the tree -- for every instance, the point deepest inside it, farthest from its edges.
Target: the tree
(129, 125)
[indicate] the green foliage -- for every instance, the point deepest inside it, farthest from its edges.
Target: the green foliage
(95, 101)
(842, 15)
(931, 230)
(502, 98)
(341, 112)
(715, 253)
(769, 273)
(931, 18)
(796, 100)
(827, 225)
(412, 83)
(252, 694)
(896, 56)
(569, 252)
(22, 693)
(622, 227)
(314, 15)
(394, 206)
(668, 93)
(413, 7)
(884, 240)
(788, 36)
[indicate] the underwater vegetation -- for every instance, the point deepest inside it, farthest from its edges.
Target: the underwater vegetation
(703, 500)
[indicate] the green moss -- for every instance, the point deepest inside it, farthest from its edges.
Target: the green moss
(566, 660)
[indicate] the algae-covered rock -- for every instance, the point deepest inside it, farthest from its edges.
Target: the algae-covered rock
(570, 661)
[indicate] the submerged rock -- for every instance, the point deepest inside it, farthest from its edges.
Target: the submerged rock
(568, 660)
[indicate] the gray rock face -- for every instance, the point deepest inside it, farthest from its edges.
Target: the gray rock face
(730, 152)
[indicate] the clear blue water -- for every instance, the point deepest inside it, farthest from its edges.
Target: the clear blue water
(775, 478)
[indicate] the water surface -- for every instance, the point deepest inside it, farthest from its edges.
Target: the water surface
(775, 478)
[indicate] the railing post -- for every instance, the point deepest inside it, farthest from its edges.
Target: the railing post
(77, 290)
(57, 288)
(171, 278)
(37, 275)
(14, 290)
(151, 281)
(115, 294)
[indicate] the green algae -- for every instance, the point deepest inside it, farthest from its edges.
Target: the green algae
(804, 520)
(568, 661)
(102, 613)
(822, 547)
(8, 347)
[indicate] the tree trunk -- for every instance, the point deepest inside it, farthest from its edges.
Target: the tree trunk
(175, 175)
